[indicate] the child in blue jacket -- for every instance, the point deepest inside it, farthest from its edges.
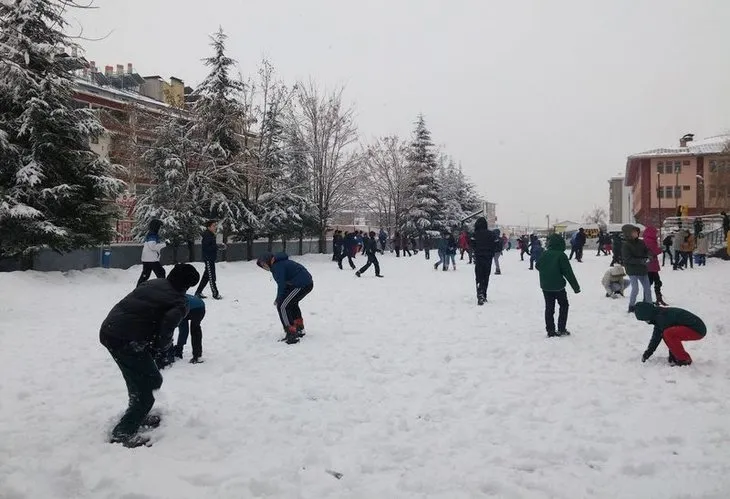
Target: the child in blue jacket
(196, 313)
(294, 282)
(536, 250)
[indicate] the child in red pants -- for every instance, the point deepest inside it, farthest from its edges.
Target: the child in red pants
(673, 325)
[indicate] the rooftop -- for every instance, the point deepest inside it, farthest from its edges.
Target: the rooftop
(710, 145)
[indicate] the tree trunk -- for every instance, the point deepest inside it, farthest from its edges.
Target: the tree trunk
(224, 253)
(301, 242)
(283, 244)
(323, 240)
(249, 246)
(175, 261)
(270, 244)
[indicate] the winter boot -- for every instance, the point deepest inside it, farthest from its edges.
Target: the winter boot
(498, 272)
(217, 297)
(632, 309)
(435, 266)
(291, 336)
(552, 334)
(201, 296)
(481, 300)
(131, 442)
(299, 324)
(564, 333)
(196, 360)
(379, 275)
(659, 297)
(151, 421)
(178, 351)
(357, 273)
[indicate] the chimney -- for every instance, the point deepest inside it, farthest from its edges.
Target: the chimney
(108, 70)
(92, 67)
(688, 137)
(129, 68)
(120, 69)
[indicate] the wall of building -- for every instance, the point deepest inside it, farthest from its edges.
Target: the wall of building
(686, 180)
(615, 199)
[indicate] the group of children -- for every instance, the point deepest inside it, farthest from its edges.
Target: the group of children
(138, 331)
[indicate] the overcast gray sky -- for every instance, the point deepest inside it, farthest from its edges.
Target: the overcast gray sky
(540, 100)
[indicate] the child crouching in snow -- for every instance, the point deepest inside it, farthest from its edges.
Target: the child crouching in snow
(673, 325)
(615, 281)
(196, 313)
(554, 269)
(294, 282)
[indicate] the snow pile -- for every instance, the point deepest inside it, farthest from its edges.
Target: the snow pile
(402, 385)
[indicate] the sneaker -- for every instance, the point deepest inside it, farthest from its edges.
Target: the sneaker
(196, 360)
(217, 297)
(632, 309)
(609, 295)
(435, 266)
(498, 272)
(201, 296)
(564, 333)
(291, 338)
(379, 275)
(552, 334)
(480, 301)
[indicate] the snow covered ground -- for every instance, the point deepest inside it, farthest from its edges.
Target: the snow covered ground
(402, 385)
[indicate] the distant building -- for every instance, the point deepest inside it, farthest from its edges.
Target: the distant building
(619, 202)
(696, 175)
(491, 213)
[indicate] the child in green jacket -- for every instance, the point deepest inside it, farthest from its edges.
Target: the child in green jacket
(554, 269)
(673, 325)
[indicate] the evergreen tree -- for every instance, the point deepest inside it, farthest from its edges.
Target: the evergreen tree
(467, 195)
(424, 204)
(218, 118)
(54, 190)
(171, 198)
(452, 211)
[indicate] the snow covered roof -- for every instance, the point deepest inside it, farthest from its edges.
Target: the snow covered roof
(710, 145)
(716, 144)
(122, 96)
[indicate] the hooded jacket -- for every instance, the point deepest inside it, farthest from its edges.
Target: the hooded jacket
(483, 243)
(634, 253)
(616, 243)
(287, 273)
(664, 318)
(615, 274)
(652, 244)
(554, 266)
(580, 238)
(152, 245)
(147, 317)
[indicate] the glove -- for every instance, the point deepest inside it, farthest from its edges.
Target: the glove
(645, 356)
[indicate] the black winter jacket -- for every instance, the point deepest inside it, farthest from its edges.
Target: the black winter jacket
(210, 247)
(370, 245)
(145, 318)
(483, 243)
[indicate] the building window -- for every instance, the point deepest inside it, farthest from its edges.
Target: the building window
(660, 193)
(669, 192)
(713, 166)
(677, 167)
(685, 162)
(677, 191)
(660, 167)
(686, 187)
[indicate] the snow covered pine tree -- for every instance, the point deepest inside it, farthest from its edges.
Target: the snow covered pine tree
(55, 191)
(424, 204)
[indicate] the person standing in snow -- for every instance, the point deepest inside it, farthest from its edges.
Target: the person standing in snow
(371, 248)
(294, 283)
(396, 244)
(451, 252)
(725, 223)
(210, 255)
(554, 268)
(580, 242)
(673, 325)
(499, 246)
(483, 248)
(191, 325)
(636, 258)
(615, 282)
(151, 253)
(651, 239)
(535, 250)
(336, 246)
(602, 243)
(427, 245)
(404, 245)
(677, 248)
(667, 244)
(349, 246)
(137, 329)
(523, 246)
(703, 248)
(616, 244)
(443, 250)
(463, 244)
(383, 237)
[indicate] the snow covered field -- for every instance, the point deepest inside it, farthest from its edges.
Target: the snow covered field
(402, 385)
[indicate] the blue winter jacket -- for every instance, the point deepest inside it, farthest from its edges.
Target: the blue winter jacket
(536, 249)
(194, 303)
(288, 274)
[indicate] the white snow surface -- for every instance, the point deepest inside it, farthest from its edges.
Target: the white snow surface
(402, 384)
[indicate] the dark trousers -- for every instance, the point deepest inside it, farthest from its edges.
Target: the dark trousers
(550, 298)
(406, 250)
(397, 252)
(667, 251)
(208, 276)
(196, 332)
(148, 268)
(572, 252)
(482, 270)
(372, 260)
(616, 259)
(289, 310)
(428, 253)
(337, 251)
(142, 377)
(349, 259)
(579, 253)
